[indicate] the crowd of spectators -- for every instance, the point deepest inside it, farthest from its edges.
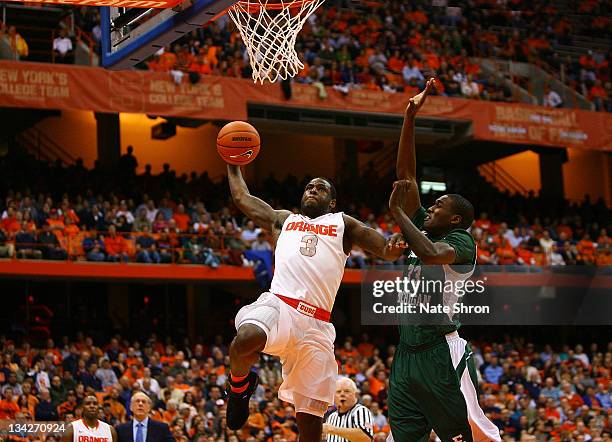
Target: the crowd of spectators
(123, 216)
(531, 392)
(393, 46)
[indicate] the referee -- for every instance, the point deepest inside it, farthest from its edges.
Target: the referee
(351, 421)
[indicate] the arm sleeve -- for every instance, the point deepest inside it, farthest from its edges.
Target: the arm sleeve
(362, 419)
(418, 217)
(463, 243)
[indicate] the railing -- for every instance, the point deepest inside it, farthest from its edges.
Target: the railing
(500, 178)
(38, 143)
(537, 77)
(492, 67)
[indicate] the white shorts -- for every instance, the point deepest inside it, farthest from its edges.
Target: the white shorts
(483, 430)
(305, 346)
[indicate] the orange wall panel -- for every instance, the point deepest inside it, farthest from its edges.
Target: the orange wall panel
(524, 167)
(192, 149)
(587, 172)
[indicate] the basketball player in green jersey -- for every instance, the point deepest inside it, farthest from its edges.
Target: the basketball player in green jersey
(433, 377)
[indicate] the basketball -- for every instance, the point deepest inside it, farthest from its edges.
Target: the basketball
(238, 143)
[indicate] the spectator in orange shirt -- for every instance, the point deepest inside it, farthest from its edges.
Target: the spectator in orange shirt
(171, 411)
(69, 406)
(598, 94)
(10, 219)
(56, 223)
(506, 253)
(586, 250)
(564, 228)
(66, 210)
(16, 223)
(587, 61)
(551, 411)
(483, 222)
(350, 368)
(167, 60)
(572, 397)
(27, 217)
(365, 347)
(70, 228)
(117, 409)
(396, 63)
(201, 66)
(539, 256)
(32, 400)
(256, 421)
(417, 17)
(486, 255)
(348, 351)
(524, 255)
(115, 246)
(8, 405)
(25, 410)
(133, 373)
(182, 219)
(377, 381)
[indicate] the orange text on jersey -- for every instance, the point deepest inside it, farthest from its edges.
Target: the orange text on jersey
(317, 229)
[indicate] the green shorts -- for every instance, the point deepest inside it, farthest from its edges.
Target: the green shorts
(425, 393)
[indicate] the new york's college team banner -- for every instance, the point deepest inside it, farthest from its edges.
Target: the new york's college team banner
(46, 86)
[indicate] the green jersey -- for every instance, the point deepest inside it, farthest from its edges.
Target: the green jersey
(447, 276)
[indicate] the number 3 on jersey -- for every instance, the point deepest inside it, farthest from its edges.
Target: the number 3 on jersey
(309, 247)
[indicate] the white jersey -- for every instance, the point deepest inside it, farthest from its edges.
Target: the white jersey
(310, 259)
(83, 433)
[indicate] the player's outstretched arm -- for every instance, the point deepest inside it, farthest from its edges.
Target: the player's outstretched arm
(256, 209)
(423, 247)
(406, 155)
(357, 233)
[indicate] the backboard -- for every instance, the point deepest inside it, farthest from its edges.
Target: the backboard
(130, 35)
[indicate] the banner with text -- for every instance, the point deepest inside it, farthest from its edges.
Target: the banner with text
(47, 86)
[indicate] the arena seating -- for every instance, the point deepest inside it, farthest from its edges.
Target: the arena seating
(163, 218)
(393, 46)
(530, 391)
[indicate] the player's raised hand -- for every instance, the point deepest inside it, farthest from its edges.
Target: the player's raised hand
(416, 103)
(399, 196)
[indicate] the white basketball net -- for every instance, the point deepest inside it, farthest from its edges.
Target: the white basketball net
(269, 35)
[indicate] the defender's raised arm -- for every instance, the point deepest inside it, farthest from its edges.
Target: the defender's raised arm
(406, 156)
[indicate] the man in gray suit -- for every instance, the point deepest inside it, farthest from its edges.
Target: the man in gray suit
(142, 428)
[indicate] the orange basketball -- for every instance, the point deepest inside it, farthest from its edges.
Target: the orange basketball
(238, 143)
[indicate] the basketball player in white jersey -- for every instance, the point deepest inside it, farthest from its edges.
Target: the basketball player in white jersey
(292, 319)
(89, 428)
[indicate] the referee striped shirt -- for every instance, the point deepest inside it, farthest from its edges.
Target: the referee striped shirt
(357, 417)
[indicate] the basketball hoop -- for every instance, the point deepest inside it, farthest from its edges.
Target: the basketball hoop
(269, 29)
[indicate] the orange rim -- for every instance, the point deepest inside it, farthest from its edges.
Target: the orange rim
(253, 7)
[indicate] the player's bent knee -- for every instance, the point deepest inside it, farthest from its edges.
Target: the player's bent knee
(249, 339)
